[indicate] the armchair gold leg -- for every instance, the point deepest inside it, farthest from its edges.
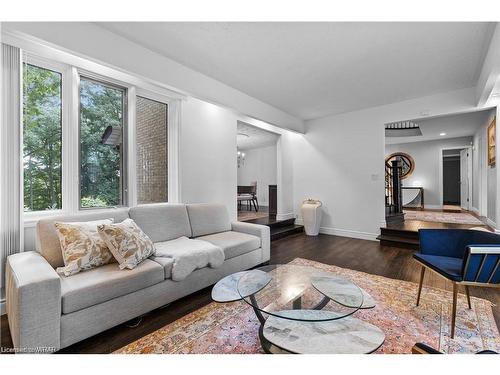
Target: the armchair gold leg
(454, 309)
(468, 296)
(422, 273)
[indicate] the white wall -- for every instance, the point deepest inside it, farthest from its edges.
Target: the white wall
(207, 154)
(477, 150)
(427, 156)
(260, 165)
(340, 160)
(88, 40)
(486, 183)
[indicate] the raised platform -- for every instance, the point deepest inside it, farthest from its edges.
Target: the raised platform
(405, 235)
(279, 228)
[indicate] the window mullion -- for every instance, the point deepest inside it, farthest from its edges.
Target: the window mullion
(132, 148)
(71, 143)
(174, 130)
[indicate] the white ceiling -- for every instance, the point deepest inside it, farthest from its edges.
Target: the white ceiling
(257, 137)
(311, 70)
(462, 125)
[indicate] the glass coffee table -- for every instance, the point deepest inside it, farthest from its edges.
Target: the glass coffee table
(303, 309)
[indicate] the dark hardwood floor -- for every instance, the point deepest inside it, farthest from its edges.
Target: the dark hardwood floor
(361, 255)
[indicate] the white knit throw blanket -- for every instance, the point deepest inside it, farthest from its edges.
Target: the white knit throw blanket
(189, 255)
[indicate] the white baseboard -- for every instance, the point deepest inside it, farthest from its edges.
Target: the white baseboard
(349, 233)
(3, 309)
(287, 216)
(476, 211)
(344, 232)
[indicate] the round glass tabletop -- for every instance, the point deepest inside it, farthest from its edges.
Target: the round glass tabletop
(299, 293)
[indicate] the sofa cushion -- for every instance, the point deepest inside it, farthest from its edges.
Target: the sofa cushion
(162, 221)
(208, 218)
(127, 242)
(82, 247)
(449, 267)
(104, 283)
(47, 241)
(166, 263)
(233, 243)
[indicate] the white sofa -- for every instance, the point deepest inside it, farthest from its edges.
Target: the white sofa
(47, 312)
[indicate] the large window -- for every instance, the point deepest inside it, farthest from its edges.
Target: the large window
(151, 146)
(102, 132)
(94, 137)
(42, 132)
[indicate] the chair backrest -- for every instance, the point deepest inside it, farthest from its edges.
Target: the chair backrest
(253, 184)
(481, 258)
(245, 189)
(453, 242)
(481, 264)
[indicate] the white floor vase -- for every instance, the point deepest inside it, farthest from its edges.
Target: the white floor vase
(311, 216)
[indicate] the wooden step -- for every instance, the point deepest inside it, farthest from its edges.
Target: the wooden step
(395, 232)
(271, 221)
(399, 237)
(399, 241)
(285, 231)
(279, 228)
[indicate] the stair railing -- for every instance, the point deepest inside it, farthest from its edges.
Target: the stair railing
(393, 197)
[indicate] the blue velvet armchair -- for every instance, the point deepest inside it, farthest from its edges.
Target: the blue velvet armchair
(463, 256)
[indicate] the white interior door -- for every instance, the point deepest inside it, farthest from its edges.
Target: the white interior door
(465, 185)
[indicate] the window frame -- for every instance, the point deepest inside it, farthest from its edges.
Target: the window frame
(160, 98)
(124, 165)
(71, 67)
(60, 68)
(173, 142)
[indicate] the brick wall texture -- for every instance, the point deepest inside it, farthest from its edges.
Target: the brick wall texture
(152, 154)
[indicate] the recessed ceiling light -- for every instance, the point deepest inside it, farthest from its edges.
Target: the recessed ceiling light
(442, 134)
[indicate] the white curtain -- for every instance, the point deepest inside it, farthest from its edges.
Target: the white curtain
(11, 203)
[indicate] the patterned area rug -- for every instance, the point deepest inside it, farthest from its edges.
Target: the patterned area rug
(233, 327)
(443, 217)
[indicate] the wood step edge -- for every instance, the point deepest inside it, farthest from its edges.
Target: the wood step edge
(398, 239)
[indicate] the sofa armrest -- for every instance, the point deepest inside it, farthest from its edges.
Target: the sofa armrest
(33, 298)
(262, 231)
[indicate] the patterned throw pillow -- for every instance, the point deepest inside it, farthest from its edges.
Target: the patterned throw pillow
(128, 243)
(82, 247)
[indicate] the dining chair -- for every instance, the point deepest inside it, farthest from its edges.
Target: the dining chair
(253, 184)
(463, 256)
(245, 194)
